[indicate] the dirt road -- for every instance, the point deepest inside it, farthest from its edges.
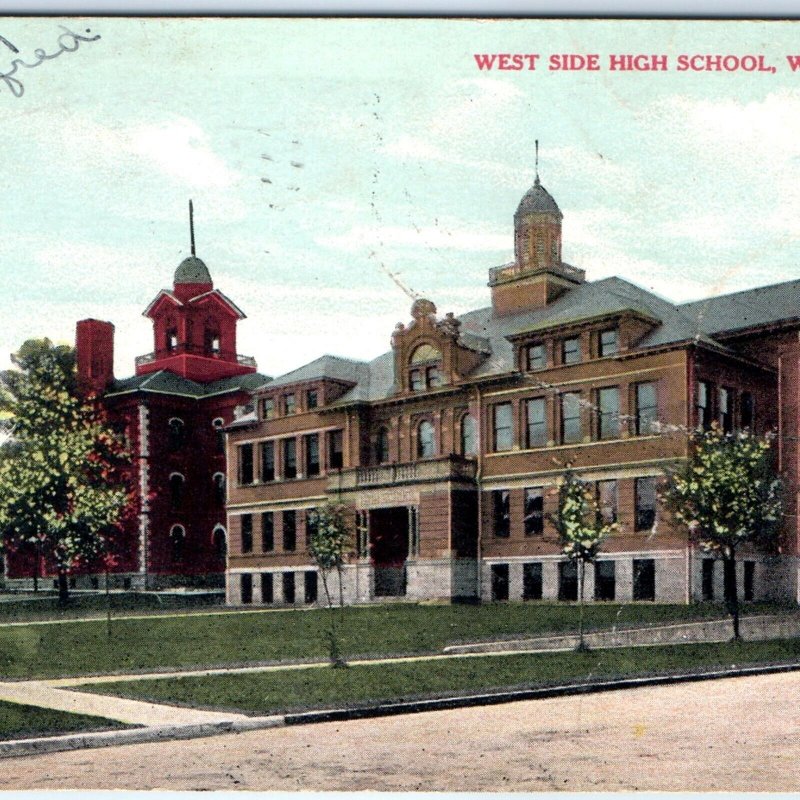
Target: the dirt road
(737, 734)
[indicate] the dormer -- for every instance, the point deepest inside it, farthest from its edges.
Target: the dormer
(430, 353)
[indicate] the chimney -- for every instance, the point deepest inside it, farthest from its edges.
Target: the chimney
(94, 346)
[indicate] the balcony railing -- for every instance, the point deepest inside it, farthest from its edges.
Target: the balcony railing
(513, 270)
(444, 468)
(195, 350)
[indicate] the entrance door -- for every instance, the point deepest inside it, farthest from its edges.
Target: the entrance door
(388, 534)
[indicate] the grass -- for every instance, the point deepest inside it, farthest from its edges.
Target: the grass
(19, 721)
(303, 689)
(81, 648)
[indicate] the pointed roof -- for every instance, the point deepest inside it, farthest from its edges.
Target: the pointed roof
(192, 270)
(537, 200)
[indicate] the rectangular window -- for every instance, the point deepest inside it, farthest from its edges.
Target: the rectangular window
(605, 580)
(267, 532)
(311, 586)
(571, 351)
(708, 579)
(725, 406)
(645, 491)
(268, 408)
(644, 579)
(289, 403)
(608, 413)
(433, 377)
(535, 357)
(312, 454)
(747, 410)
(749, 580)
(532, 581)
(646, 408)
(267, 589)
(570, 418)
(503, 427)
(534, 512)
(247, 533)
(416, 380)
(609, 343)
(289, 458)
(289, 531)
(567, 580)
(704, 399)
(607, 501)
(246, 589)
(335, 450)
(288, 587)
(312, 401)
(245, 464)
(499, 581)
(535, 423)
(501, 513)
(267, 461)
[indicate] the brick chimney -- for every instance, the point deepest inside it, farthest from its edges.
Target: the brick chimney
(94, 346)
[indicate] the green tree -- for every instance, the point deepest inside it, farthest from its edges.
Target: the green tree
(329, 546)
(727, 494)
(61, 491)
(582, 531)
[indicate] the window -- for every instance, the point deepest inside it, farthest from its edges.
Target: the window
(534, 512)
(567, 580)
(704, 396)
(177, 539)
(501, 513)
(267, 588)
(646, 408)
(503, 426)
(416, 380)
(172, 339)
(246, 589)
(267, 531)
(532, 581)
(609, 343)
(608, 413)
(311, 529)
(176, 490)
(211, 341)
(310, 586)
(267, 461)
(607, 501)
(289, 403)
(245, 464)
(335, 450)
(268, 408)
(499, 582)
(312, 454)
(382, 446)
(749, 581)
(725, 403)
(289, 531)
(220, 542)
(644, 579)
(469, 436)
(570, 418)
(247, 533)
(433, 377)
(535, 423)
(604, 580)
(708, 579)
(425, 372)
(746, 410)
(426, 443)
(535, 357)
(312, 400)
(289, 458)
(218, 426)
(645, 491)
(571, 351)
(288, 587)
(175, 433)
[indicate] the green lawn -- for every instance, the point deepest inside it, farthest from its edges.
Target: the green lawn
(22, 722)
(303, 689)
(79, 648)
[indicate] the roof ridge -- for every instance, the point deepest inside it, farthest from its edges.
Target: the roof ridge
(740, 292)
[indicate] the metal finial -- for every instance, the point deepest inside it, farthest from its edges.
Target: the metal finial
(537, 161)
(191, 225)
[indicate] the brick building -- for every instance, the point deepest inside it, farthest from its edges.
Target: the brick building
(448, 447)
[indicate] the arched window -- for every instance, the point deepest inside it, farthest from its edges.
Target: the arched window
(171, 336)
(425, 368)
(177, 539)
(218, 424)
(219, 488)
(382, 446)
(211, 339)
(469, 436)
(176, 433)
(426, 444)
(176, 481)
(220, 541)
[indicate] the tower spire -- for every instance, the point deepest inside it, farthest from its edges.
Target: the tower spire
(537, 162)
(191, 226)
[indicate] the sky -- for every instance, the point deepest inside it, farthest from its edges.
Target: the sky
(338, 168)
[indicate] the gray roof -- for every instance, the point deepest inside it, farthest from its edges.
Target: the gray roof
(537, 200)
(335, 368)
(166, 382)
(192, 270)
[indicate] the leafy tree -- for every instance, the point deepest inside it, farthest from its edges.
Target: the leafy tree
(60, 487)
(329, 546)
(727, 494)
(581, 529)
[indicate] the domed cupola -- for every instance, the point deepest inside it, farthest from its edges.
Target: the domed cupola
(192, 270)
(537, 229)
